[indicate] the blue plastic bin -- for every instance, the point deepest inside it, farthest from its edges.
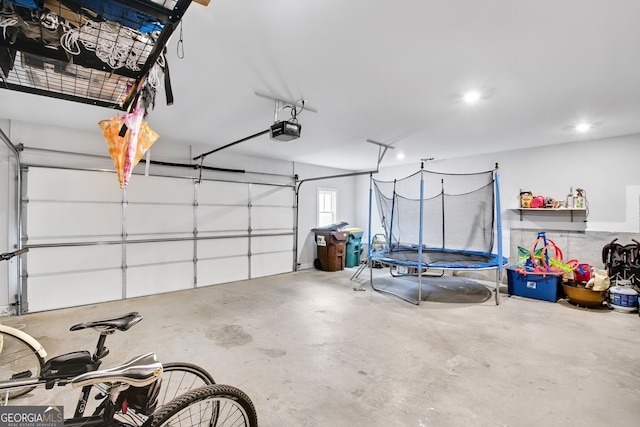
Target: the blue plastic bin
(547, 287)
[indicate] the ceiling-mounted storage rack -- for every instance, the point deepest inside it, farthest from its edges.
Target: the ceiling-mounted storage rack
(99, 52)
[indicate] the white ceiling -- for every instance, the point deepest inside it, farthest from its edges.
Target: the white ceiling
(393, 72)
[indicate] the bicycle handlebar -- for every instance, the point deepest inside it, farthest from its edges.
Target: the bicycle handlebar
(9, 255)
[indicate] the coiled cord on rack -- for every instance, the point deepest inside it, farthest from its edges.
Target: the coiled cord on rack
(8, 18)
(113, 44)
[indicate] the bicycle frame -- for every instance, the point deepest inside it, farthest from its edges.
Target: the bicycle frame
(139, 372)
(128, 386)
(48, 378)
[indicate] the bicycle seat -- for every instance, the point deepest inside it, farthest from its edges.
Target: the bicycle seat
(138, 372)
(122, 323)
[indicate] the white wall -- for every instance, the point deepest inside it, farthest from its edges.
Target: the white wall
(308, 206)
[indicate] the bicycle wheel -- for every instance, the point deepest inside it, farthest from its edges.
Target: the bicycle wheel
(178, 378)
(212, 406)
(18, 360)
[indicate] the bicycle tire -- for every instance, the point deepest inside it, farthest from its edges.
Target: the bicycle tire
(18, 359)
(214, 405)
(178, 378)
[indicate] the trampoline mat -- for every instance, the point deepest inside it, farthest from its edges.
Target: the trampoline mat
(446, 289)
(440, 258)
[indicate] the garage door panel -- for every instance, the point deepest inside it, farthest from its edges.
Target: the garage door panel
(72, 290)
(159, 219)
(154, 189)
(271, 218)
(223, 218)
(269, 195)
(270, 264)
(43, 261)
(155, 253)
(271, 244)
(216, 248)
(222, 270)
(61, 222)
(157, 279)
(223, 193)
(72, 185)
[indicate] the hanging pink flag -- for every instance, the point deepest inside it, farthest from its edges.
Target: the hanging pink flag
(133, 121)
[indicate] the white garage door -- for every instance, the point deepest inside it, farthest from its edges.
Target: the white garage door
(92, 242)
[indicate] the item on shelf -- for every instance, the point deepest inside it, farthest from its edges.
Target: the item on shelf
(7, 59)
(115, 45)
(111, 10)
(578, 201)
(570, 199)
(538, 202)
(525, 199)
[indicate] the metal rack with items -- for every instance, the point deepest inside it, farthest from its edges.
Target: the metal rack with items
(98, 52)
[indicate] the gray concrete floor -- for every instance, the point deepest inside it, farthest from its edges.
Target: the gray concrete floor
(310, 351)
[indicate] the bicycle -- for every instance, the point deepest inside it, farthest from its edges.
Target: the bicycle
(137, 382)
(133, 385)
(23, 357)
(136, 385)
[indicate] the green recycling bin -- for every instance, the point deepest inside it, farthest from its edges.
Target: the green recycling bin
(354, 248)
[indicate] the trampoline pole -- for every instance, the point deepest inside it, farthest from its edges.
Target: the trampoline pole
(442, 206)
(499, 236)
(370, 235)
(420, 234)
(393, 214)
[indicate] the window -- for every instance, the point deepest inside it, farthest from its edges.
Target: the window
(326, 206)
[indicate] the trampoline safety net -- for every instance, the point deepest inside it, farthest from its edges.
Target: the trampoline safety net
(457, 211)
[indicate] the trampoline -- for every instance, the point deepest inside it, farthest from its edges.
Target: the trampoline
(441, 259)
(437, 221)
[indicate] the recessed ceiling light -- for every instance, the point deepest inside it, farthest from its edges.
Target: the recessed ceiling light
(583, 127)
(400, 156)
(471, 97)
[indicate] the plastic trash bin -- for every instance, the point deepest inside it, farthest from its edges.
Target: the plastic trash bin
(354, 247)
(338, 226)
(331, 247)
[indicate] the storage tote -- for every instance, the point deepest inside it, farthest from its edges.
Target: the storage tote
(546, 287)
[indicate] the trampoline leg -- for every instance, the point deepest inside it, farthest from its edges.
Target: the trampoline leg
(357, 274)
(361, 267)
(498, 286)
